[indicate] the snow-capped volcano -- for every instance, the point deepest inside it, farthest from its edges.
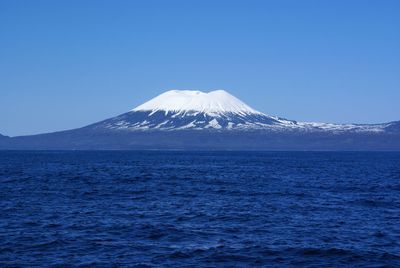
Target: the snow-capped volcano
(194, 120)
(190, 109)
(214, 103)
(215, 110)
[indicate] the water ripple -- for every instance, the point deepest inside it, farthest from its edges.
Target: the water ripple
(181, 209)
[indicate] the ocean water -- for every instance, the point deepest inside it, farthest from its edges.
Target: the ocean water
(199, 209)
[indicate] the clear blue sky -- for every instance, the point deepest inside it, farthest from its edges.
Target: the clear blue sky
(65, 64)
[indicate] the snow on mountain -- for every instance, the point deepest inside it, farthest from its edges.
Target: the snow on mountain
(162, 120)
(338, 128)
(216, 110)
(213, 103)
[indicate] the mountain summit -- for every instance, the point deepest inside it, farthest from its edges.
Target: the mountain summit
(182, 101)
(195, 120)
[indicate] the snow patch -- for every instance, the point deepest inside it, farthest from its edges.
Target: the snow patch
(213, 124)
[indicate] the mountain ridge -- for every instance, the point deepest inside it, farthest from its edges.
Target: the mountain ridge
(194, 120)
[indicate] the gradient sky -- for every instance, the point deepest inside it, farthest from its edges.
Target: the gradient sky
(65, 64)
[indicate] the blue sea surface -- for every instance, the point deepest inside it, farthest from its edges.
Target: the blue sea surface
(199, 209)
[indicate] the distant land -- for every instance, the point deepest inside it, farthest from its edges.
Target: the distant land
(194, 120)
